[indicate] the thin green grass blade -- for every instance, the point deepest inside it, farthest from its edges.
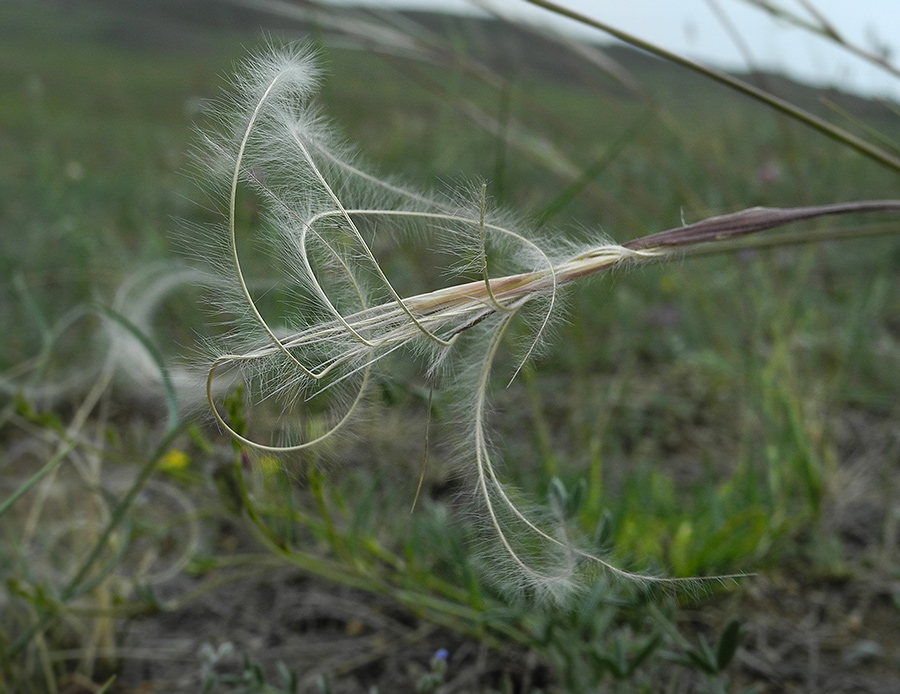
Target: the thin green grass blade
(107, 685)
(815, 122)
(876, 135)
(26, 486)
(77, 585)
(591, 172)
(168, 387)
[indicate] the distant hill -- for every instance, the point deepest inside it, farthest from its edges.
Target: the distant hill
(506, 48)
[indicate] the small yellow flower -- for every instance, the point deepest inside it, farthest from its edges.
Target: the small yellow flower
(175, 460)
(668, 283)
(269, 464)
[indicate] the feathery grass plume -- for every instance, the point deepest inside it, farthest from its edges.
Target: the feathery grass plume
(331, 223)
(329, 219)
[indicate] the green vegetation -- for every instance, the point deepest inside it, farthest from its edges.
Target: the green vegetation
(732, 413)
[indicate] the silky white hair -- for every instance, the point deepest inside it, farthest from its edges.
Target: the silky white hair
(326, 215)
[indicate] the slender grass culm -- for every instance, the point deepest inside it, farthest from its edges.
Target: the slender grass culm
(330, 223)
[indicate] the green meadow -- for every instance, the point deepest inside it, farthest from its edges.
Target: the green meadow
(730, 413)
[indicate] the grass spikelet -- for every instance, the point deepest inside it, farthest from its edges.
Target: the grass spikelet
(341, 316)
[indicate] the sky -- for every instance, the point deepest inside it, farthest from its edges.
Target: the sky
(695, 28)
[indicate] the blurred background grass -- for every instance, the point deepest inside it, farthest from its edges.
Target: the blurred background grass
(731, 413)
